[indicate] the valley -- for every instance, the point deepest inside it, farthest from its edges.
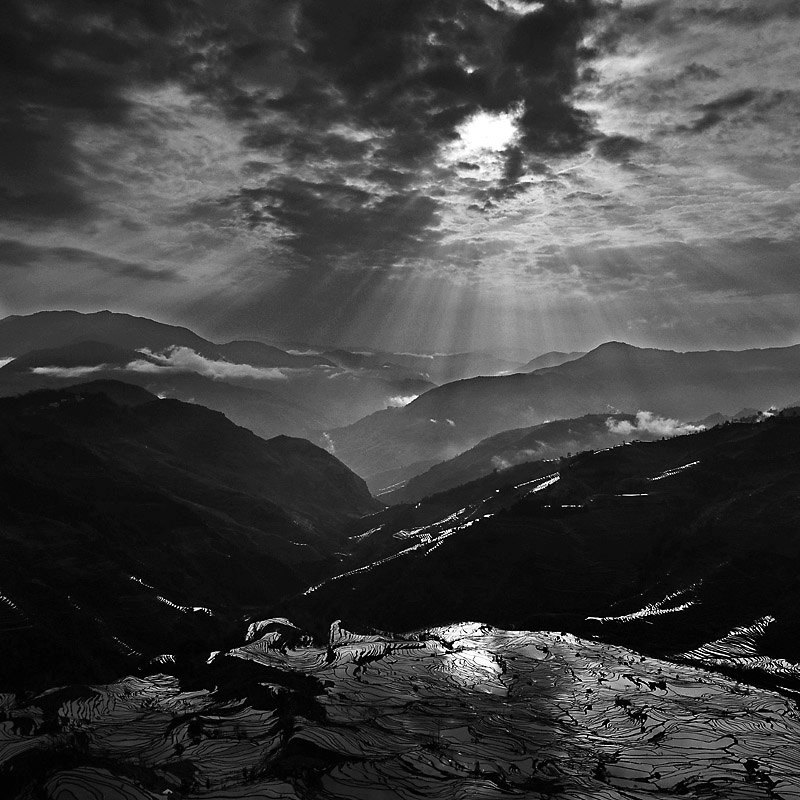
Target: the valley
(199, 611)
(399, 400)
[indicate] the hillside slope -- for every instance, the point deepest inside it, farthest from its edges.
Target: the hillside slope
(120, 520)
(546, 441)
(672, 544)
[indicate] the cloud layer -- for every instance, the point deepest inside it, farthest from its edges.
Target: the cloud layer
(184, 359)
(174, 359)
(652, 425)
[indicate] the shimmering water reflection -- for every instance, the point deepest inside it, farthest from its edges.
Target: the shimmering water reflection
(451, 713)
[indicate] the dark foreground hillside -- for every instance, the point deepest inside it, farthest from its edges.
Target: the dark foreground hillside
(138, 535)
(135, 526)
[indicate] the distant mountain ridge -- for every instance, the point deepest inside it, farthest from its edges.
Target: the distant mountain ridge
(552, 359)
(256, 384)
(613, 378)
(52, 329)
(438, 367)
(258, 409)
(503, 450)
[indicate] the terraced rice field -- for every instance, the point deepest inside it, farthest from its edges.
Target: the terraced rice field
(464, 711)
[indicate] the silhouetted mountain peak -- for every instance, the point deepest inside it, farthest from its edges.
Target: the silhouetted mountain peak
(554, 358)
(614, 347)
(50, 329)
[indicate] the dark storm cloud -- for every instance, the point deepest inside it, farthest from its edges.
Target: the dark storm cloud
(409, 71)
(15, 253)
(328, 222)
(716, 111)
(62, 65)
(67, 64)
(617, 147)
(420, 67)
(406, 74)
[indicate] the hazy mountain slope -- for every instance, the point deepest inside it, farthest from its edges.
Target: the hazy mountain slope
(498, 452)
(552, 359)
(708, 519)
(119, 520)
(84, 353)
(257, 408)
(436, 367)
(264, 355)
(300, 393)
(612, 378)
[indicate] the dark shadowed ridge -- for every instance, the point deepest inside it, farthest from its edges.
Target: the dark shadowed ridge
(133, 526)
(123, 394)
(50, 329)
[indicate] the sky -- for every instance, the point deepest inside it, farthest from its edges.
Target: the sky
(436, 175)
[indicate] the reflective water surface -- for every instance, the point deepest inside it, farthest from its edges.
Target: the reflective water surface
(464, 711)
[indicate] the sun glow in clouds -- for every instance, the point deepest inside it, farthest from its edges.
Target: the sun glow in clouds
(520, 7)
(486, 132)
(482, 141)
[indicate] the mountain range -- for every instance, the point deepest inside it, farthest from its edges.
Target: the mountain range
(612, 378)
(578, 579)
(536, 443)
(256, 384)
